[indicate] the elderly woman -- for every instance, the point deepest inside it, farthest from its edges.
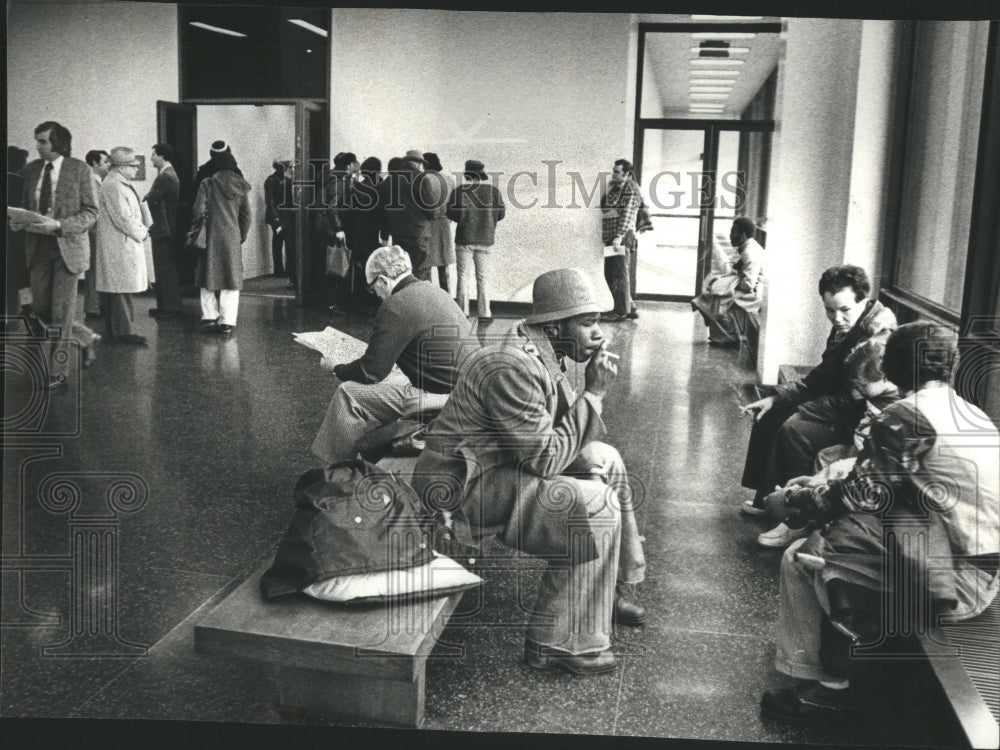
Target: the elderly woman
(122, 227)
(927, 471)
(222, 206)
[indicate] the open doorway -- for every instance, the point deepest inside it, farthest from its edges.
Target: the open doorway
(258, 134)
(704, 117)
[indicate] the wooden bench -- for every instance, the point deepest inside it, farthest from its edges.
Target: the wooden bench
(360, 663)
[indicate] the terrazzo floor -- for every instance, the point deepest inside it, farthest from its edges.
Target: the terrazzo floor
(185, 453)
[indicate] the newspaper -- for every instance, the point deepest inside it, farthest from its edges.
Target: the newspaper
(336, 345)
(23, 217)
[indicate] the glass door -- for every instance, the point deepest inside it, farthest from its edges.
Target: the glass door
(672, 176)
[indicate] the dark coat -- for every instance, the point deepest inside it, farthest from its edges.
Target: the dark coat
(162, 201)
(222, 202)
(411, 201)
(476, 207)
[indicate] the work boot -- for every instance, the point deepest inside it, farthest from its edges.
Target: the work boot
(627, 612)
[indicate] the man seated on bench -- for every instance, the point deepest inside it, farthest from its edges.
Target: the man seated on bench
(931, 460)
(795, 423)
(515, 450)
(736, 293)
(420, 328)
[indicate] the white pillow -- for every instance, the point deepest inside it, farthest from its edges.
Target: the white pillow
(439, 577)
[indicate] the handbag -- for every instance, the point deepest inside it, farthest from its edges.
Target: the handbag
(338, 260)
(197, 236)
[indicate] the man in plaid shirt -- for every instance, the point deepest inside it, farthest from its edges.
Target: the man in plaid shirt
(620, 206)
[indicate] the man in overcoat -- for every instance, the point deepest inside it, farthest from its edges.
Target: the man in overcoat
(58, 250)
(121, 255)
(515, 451)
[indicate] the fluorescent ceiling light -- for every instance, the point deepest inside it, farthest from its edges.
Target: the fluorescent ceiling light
(711, 89)
(705, 110)
(727, 18)
(708, 96)
(722, 35)
(715, 62)
(711, 82)
(737, 50)
(715, 73)
(308, 26)
(216, 29)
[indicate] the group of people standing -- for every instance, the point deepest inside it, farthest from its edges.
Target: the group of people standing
(411, 206)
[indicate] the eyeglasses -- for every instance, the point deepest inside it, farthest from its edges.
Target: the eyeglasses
(371, 287)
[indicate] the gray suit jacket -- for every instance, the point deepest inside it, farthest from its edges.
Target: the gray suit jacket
(74, 205)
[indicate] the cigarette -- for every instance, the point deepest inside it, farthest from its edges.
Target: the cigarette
(611, 356)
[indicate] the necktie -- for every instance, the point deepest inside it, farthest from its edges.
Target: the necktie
(45, 199)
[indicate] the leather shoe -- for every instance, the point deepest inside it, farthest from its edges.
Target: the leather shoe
(132, 338)
(807, 704)
(538, 656)
(633, 315)
(223, 328)
(628, 612)
(206, 326)
(57, 381)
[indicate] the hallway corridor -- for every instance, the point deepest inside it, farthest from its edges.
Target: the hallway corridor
(186, 452)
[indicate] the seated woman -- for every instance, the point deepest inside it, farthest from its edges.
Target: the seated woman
(928, 467)
(801, 418)
(868, 385)
(729, 298)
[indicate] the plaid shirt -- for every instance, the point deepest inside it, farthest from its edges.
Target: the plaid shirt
(620, 207)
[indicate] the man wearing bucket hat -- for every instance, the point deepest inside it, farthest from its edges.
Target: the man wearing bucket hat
(516, 452)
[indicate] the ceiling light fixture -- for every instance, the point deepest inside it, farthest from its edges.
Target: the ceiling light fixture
(308, 26)
(715, 73)
(726, 18)
(708, 62)
(711, 90)
(706, 51)
(722, 35)
(708, 96)
(711, 82)
(216, 29)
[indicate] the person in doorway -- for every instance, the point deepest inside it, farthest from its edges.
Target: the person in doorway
(223, 206)
(516, 451)
(162, 202)
(274, 195)
(619, 209)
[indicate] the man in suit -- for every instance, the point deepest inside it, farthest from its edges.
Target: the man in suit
(61, 189)
(99, 165)
(162, 202)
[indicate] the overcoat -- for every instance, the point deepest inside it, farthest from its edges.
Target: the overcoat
(121, 257)
(223, 205)
(498, 450)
